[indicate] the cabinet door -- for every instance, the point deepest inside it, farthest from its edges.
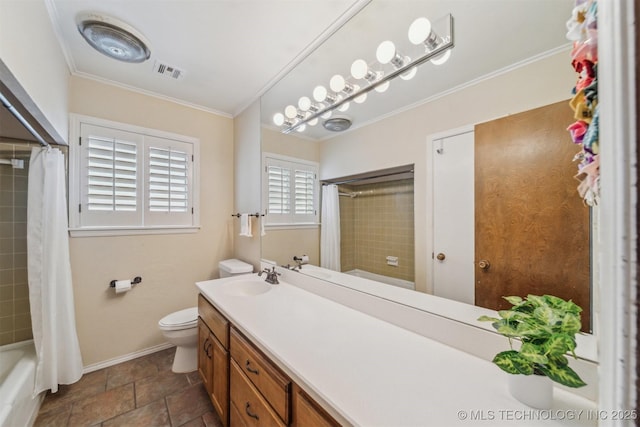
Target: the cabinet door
(308, 413)
(205, 352)
(220, 383)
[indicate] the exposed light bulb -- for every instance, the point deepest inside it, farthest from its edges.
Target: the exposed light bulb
(301, 128)
(421, 32)
(386, 52)
(442, 58)
(344, 107)
(327, 114)
(320, 93)
(359, 69)
(304, 103)
(278, 119)
(337, 83)
(313, 122)
(290, 111)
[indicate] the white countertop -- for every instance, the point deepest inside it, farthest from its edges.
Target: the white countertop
(372, 373)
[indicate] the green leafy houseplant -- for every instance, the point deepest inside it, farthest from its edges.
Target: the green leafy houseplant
(546, 325)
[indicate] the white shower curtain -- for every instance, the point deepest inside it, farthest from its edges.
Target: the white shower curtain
(49, 272)
(330, 229)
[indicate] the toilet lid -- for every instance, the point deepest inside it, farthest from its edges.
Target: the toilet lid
(183, 318)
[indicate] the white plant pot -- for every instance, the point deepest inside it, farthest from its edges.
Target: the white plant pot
(535, 391)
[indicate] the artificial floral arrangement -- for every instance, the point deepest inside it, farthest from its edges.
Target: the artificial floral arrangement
(546, 325)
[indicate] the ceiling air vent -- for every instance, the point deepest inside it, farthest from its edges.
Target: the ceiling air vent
(169, 71)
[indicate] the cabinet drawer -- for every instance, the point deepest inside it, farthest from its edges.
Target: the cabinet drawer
(214, 320)
(269, 380)
(248, 407)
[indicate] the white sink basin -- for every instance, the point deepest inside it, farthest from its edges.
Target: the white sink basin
(246, 288)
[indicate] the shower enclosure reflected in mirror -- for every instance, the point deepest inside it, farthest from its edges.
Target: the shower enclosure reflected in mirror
(487, 77)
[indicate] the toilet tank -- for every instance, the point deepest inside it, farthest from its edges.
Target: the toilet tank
(233, 267)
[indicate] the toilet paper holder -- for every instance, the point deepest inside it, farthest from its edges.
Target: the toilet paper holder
(135, 281)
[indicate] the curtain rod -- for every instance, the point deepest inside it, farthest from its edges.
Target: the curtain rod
(17, 115)
(347, 181)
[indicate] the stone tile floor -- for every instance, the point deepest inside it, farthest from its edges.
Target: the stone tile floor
(141, 392)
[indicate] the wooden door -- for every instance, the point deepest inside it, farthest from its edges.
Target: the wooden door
(531, 226)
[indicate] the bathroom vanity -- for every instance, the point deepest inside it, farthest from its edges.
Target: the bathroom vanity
(245, 386)
(283, 355)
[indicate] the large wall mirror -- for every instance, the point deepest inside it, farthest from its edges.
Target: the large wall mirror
(511, 61)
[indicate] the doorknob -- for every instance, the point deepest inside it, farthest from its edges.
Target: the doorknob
(440, 256)
(484, 264)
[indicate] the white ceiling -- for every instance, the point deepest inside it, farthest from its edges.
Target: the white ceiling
(234, 52)
(230, 50)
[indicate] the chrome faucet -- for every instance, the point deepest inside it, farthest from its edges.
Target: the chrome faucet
(272, 275)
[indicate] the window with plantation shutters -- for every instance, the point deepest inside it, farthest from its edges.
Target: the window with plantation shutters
(131, 179)
(304, 192)
(290, 191)
(111, 175)
(168, 181)
(278, 183)
(168, 186)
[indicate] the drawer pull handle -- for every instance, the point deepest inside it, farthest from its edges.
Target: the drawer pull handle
(252, 415)
(250, 369)
(206, 346)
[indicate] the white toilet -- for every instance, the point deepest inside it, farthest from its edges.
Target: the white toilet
(234, 267)
(181, 327)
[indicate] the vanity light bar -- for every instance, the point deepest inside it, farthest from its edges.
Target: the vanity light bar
(434, 52)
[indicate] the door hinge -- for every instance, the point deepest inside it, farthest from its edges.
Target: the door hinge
(192, 158)
(79, 207)
(192, 211)
(79, 140)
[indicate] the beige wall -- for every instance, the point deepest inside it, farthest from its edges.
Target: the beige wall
(247, 181)
(281, 245)
(111, 326)
(403, 139)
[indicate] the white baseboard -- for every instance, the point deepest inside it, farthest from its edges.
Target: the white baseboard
(125, 358)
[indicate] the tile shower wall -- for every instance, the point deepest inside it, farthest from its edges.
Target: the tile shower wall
(376, 223)
(15, 317)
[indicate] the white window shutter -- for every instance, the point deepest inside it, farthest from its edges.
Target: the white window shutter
(304, 192)
(290, 191)
(110, 193)
(169, 178)
(168, 187)
(279, 183)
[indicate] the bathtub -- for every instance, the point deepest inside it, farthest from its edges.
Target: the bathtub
(384, 279)
(17, 376)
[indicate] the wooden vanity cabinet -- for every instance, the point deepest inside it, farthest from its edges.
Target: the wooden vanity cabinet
(246, 388)
(253, 374)
(213, 356)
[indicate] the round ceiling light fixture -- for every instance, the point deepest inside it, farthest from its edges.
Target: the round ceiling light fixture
(337, 124)
(113, 38)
